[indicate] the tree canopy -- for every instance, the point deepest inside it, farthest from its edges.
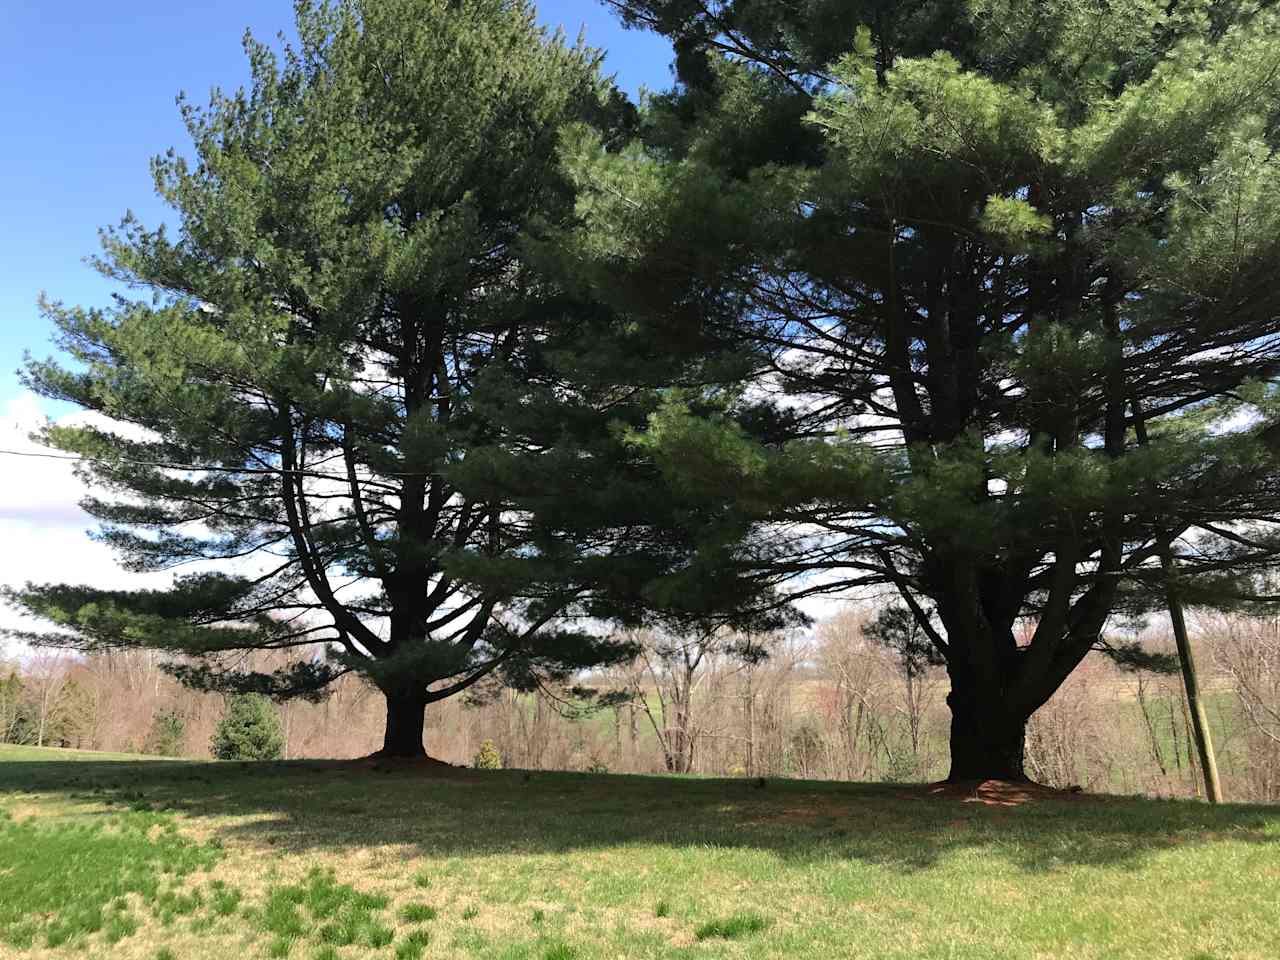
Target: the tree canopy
(312, 351)
(974, 300)
(1002, 277)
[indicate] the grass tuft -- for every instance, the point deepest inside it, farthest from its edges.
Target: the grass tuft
(120, 925)
(72, 922)
(225, 900)
(376, 935)
(171, 904)
(280, 915)
(662, 909)
(559, 951)
(417, 913)
(732, 928)
(413, 946)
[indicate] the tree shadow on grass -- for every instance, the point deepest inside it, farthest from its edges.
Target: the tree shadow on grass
(316, 805)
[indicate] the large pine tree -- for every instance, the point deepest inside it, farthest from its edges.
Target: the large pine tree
(1004, 277)
(346, 290)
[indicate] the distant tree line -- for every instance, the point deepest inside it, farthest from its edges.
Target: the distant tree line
(833, 703)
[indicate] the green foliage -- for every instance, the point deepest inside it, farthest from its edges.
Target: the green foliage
(487, 757)
(76, 717)
(1132, 657)
(167, 734)
(903, 767)
(997, 281)
(899, 630)
(14, 714)
(250, 729)
(320, 343)
(62, 714)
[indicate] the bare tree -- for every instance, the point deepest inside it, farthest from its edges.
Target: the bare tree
(1247, 650)
(666, 680)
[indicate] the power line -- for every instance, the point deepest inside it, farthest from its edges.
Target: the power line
(168, 465)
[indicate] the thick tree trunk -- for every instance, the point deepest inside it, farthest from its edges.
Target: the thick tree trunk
(987, 742)
(405, 716)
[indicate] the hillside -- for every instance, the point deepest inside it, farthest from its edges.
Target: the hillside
(320, 861)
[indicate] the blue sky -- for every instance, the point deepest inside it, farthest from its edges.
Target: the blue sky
(87, 98)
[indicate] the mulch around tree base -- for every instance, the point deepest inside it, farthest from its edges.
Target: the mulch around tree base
(1000, 793)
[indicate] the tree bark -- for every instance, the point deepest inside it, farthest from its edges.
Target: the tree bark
(987, 742)
(405, 718)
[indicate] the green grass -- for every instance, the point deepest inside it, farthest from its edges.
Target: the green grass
(319, 860)
(413, 945)
(58, 874)
(417, 913)
(10, 752)
(731, 928)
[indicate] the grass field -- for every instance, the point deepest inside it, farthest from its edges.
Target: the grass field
(159, 860)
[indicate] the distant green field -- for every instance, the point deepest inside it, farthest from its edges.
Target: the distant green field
(10, 752)
(102, 857)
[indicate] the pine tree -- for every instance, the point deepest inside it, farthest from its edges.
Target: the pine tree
(12, 708)
(249, 730)
(314, 355)
(966, 253)
(167, 734)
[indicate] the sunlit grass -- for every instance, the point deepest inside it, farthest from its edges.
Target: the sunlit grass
(57, 879)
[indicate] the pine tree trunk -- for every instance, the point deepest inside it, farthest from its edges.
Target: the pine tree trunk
(405, 717)
(987, 742)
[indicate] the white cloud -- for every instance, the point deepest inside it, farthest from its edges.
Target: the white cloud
(34, 490)
(43, 531)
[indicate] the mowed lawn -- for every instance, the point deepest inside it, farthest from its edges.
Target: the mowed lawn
(166, 860)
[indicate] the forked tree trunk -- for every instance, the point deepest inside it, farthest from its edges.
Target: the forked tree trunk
(405, 717)
(987, 742)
